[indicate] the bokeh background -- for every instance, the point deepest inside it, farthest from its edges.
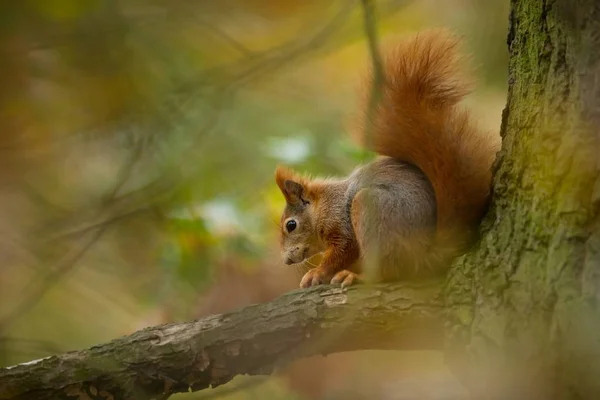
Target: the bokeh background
(138, 141)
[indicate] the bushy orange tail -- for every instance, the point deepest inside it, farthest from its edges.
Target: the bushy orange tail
(418, 121)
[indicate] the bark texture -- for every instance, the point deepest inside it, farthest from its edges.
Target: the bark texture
(156, 362)
(525, 319)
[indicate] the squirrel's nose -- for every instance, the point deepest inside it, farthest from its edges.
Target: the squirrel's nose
(289, 261)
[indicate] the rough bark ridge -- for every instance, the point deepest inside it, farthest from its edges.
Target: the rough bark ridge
(156, 362)
(525, 316)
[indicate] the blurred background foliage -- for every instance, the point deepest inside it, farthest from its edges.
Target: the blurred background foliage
(138, 141)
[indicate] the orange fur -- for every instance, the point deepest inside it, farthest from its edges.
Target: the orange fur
(419, 121)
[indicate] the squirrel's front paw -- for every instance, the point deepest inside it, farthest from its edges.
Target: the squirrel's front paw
(345, 278)
(313, 277)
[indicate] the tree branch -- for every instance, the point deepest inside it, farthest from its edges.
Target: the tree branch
(159, 361)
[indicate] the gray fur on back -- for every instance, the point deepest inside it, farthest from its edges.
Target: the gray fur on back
(398, 219)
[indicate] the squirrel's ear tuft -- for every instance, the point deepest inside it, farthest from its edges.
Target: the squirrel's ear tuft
(290, 185)
(293, 192)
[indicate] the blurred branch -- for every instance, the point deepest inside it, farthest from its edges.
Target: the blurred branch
(321, 41)
(40, 285)
(218, 32)
(244, 71)
(378, 79)
(288, 52)
(162, 187)
(159, 361)
(251, 66)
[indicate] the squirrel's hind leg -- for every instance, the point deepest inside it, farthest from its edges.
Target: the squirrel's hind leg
(393, 229)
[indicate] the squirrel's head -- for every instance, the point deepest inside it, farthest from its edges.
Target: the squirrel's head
(298, 236)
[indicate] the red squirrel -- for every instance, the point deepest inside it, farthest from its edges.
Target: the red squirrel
(417, 206)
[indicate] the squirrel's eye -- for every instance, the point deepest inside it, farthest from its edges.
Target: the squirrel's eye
(290, 225)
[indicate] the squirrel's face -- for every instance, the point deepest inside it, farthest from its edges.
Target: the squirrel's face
(298, 238)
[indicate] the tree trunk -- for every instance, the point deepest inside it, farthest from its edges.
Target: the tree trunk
(524, 320)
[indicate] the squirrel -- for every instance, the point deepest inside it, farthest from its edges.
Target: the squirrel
(418, 205)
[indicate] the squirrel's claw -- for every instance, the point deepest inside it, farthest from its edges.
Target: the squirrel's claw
(313, 277)
(345, 278)
(316, 277)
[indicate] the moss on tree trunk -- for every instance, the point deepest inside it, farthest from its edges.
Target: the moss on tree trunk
(524, 319)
